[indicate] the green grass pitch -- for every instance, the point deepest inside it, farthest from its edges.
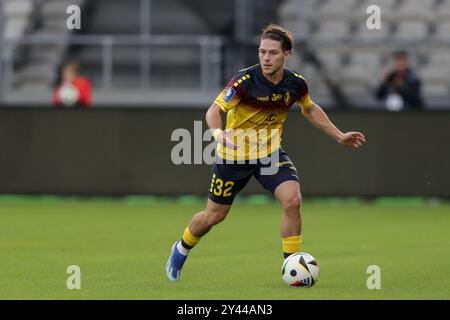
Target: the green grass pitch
(122, 247)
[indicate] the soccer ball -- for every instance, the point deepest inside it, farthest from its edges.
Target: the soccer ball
(300, 270)
(69, 95)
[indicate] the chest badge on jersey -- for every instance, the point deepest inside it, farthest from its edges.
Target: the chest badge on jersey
(229, 95)
(287, 98)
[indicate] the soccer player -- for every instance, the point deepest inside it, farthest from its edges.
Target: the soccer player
(257, 100)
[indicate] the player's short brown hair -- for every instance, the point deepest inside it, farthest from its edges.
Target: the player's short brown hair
(74, 65)
(278, 33)
(400, 54)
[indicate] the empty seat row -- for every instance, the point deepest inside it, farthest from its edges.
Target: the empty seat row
(426, 9)
(330, 30)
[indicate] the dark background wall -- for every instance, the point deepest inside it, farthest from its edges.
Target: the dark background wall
(128, 151)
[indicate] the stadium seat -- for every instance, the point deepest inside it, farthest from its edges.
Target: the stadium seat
(296, 16)
(416, 9)
(317, 88)
(439, 57)
(443, 30)
(15, 27)
(443, 11)
(386, 9)
(36, 74)
(388, 4)
(17, 13)
(365, 34)
(434, 73)
(411, 30)
(332, 60)
(17, 20)
(435, 76)
(52, 9)
(355, 90)
(17, 8)
(360, 73)
(335, 8)
(431, 89)
(332, 30)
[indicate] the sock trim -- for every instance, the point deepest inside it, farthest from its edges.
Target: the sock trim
(190, 239)
(182, 249)
(185, 245)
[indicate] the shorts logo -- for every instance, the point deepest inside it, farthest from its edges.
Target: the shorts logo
(230, 93)
(281, 164)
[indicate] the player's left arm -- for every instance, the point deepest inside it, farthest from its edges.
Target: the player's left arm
(319, 119)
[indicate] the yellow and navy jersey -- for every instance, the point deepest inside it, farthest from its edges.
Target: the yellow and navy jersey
(257, 109)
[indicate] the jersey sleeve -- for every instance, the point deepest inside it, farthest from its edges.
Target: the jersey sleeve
(304, 99)
(233, 93)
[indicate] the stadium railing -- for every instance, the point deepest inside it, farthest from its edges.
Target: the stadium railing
(210, 53)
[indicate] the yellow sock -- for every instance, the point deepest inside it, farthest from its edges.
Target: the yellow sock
(189, 239)
(291, 244)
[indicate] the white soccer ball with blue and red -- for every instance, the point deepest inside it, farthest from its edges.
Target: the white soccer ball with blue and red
(300, 270)
(69, 95)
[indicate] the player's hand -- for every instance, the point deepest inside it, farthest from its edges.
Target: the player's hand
(352, 139)
(226, 141)
(223, 137)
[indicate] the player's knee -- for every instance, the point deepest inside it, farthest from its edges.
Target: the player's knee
(214, 217)
(292, 202)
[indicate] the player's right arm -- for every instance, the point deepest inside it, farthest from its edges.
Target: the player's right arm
(227, 100)
(214, 121)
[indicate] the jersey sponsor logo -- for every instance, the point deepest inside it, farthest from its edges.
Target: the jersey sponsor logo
(265, 99)
(276, 97)
(229, 95)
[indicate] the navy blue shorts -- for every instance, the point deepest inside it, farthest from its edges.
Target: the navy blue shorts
(230, 178)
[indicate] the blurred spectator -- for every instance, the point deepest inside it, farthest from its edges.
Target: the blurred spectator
(74, 89)
(401, 87)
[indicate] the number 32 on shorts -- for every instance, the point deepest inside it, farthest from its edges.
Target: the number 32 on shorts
(221, 188)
